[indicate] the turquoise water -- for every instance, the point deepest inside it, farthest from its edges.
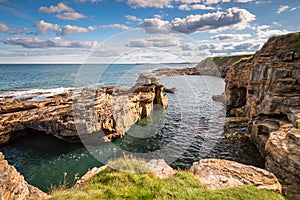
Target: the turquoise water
(190, 129)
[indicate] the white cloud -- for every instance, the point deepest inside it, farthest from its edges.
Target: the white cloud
(154, 42)
(70, 16)
(148, 3)
(266, 33)
(277, 24)
(68, 29)
(4, 27)
(61, 7)
(132, 18)
(209, 2)
(115, 26)
(231, 36)
(233, 18)
(43, 27)
(46, 43)
(195, 7)
(282, 9)
(156, 25)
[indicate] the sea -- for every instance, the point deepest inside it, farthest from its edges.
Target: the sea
(193, 127)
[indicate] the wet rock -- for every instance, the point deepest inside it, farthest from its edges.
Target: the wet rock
(14, 187)
(218, 174)
(160, 168)
(220, 98)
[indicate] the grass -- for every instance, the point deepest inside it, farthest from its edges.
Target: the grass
(293, 44)
(114, 184)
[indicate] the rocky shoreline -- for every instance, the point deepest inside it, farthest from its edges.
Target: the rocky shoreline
(84, 114)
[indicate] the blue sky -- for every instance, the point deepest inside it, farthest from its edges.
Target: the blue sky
(101, 31)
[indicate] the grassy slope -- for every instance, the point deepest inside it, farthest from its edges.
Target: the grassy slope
(113, 184)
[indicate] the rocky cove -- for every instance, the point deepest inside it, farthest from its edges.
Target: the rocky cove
(263, 88)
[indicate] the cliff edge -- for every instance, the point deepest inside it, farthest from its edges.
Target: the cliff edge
(266, 89)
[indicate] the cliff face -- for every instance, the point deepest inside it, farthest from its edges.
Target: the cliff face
(266, 89)
(13, 186)
(95, 114)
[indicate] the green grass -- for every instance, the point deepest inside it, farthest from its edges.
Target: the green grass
(114, 184)
(293, 44)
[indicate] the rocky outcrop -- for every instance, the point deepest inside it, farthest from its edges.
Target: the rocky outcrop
(14, 187)
(218, 174)
(160, 168)
(266, 89)
(88, 114)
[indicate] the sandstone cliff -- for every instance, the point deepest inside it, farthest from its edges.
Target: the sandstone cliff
(266, 89)
(89, 114)
(14, 187)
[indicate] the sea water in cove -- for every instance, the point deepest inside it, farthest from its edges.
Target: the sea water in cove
(192, 128)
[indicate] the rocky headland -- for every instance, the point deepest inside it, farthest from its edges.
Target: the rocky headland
(83, 114)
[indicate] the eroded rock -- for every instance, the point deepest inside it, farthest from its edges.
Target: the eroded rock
(160, 168)
(218, 174)
(90, 114)
(14, 187)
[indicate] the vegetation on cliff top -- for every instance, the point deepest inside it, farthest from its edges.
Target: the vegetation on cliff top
(135, 182)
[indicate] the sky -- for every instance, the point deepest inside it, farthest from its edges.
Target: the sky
(139, 31)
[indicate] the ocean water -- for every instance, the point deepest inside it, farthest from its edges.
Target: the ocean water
(192, 128)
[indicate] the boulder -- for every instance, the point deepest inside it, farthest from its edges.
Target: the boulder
(160, 168)
(14, 187)
(218, 174)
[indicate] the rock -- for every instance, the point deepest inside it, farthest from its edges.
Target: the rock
(267, 87)
(172, 90)
(220, 98)
(218, 174)
(282, 152)
(14, 187)
(175, 72)
(79, 183)
(160, 168)
(92, 115)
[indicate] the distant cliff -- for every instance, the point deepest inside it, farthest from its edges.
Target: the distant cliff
(266, 89)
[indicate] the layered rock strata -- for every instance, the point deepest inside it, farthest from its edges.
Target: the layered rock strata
(266, 89)
(14, 187)
(93, 114)
(219, 174)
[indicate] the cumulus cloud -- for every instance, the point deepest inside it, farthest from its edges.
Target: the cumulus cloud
(195, 7)
(132, 18)
(231, 36)
(115, 26)
(148, 3)
(43, 27)
(52, 42)
(61, 7)
(70, 16)
(266, 33)
(188, 1)
(282, 9)
(154, 42)
(232, 18)
(68, 29)
(156, 25)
